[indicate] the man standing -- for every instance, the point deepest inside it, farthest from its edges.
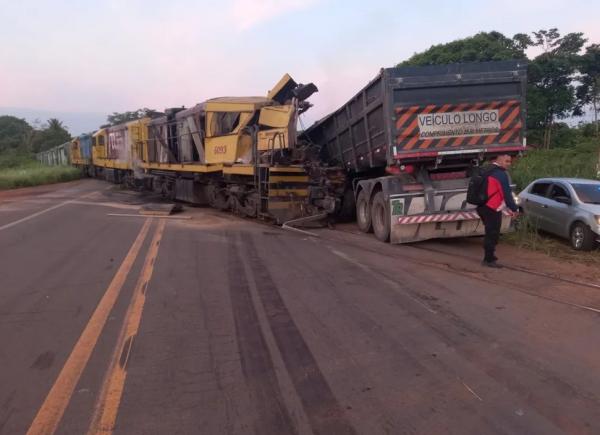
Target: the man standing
(499, 195)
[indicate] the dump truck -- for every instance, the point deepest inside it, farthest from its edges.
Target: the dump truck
(411, 138)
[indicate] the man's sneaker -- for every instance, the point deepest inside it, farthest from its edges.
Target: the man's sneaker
(492, 264)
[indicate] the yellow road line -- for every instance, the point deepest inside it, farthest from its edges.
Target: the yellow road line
(49, 415)
(107, 405)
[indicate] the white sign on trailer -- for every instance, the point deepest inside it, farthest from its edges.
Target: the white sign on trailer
(453, 124)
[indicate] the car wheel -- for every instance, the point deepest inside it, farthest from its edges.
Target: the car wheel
(582, 237)
(363, 212)
(380, 218)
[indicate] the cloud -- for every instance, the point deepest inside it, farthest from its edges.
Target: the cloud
(249, 13)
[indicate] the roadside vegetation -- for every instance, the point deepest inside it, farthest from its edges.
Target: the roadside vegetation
(577, 156)
(22, 170)
(526, 236)
(19, 142)
(577, 161)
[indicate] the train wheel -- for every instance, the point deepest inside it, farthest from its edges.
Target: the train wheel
(217, 198)
(250, 206)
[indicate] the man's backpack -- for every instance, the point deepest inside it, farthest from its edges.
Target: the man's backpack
(477, 192)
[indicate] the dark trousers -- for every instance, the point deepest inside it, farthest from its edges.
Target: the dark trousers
(492, 221)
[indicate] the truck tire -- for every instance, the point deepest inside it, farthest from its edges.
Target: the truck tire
(380, 218)
(363, 212)
(582, 237)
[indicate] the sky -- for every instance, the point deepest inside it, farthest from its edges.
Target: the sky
(83, 59)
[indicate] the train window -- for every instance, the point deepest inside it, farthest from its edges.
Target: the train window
(101, 140)
(224, 123)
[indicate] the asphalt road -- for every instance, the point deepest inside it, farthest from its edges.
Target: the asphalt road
(218, 325)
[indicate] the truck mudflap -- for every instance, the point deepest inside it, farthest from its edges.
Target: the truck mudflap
(415, 228)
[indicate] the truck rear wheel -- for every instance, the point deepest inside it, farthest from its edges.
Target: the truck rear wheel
(381, 218)
(363, 212)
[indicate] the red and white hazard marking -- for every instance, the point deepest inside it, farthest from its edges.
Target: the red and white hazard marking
(440, 217)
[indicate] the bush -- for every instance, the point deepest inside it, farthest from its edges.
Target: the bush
(22, 171)
(15, 159)
(579, 161)
(526, 236)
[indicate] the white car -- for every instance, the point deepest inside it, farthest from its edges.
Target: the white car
(566, 207)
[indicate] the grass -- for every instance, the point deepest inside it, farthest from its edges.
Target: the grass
(21, 170)
(579, 161)
(526, 236)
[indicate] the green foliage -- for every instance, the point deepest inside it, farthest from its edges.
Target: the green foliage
(588, 92)
(484, 46)
(14, 158)
(14, 133)
(53, 133)
(562, 136)
(527, 236)
(17, 135)
(579, 161)
(120, 118)
(589, 129)
(551, 94)
(32, 173)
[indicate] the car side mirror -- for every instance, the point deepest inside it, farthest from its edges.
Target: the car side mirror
(563, 199)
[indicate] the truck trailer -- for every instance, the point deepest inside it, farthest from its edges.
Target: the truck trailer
(410, 140)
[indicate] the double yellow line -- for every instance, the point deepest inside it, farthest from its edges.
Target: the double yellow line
(49, 415)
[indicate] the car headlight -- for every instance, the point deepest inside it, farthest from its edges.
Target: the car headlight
(597, 219)
(516, 198)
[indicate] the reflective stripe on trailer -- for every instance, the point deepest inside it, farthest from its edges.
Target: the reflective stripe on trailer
(440, 217)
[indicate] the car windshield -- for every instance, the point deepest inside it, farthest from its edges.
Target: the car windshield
(588, 193)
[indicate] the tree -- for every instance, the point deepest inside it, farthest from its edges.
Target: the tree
(55, 125)
(120, 118)
(588, 92)
(551, 94)
(484, 46)
(53, 133)
(15, 134)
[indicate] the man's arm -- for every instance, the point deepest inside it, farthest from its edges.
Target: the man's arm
(508, 197)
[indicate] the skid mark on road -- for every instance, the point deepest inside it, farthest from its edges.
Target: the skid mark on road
(388, 281)
(51, 412)
(529, 379)
(107, 405)
(322, 408)
(257, 365)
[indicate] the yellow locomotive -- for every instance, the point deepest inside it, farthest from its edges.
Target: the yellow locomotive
(233, 153)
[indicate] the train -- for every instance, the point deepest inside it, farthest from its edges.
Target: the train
(396, 157)
(233, 153)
